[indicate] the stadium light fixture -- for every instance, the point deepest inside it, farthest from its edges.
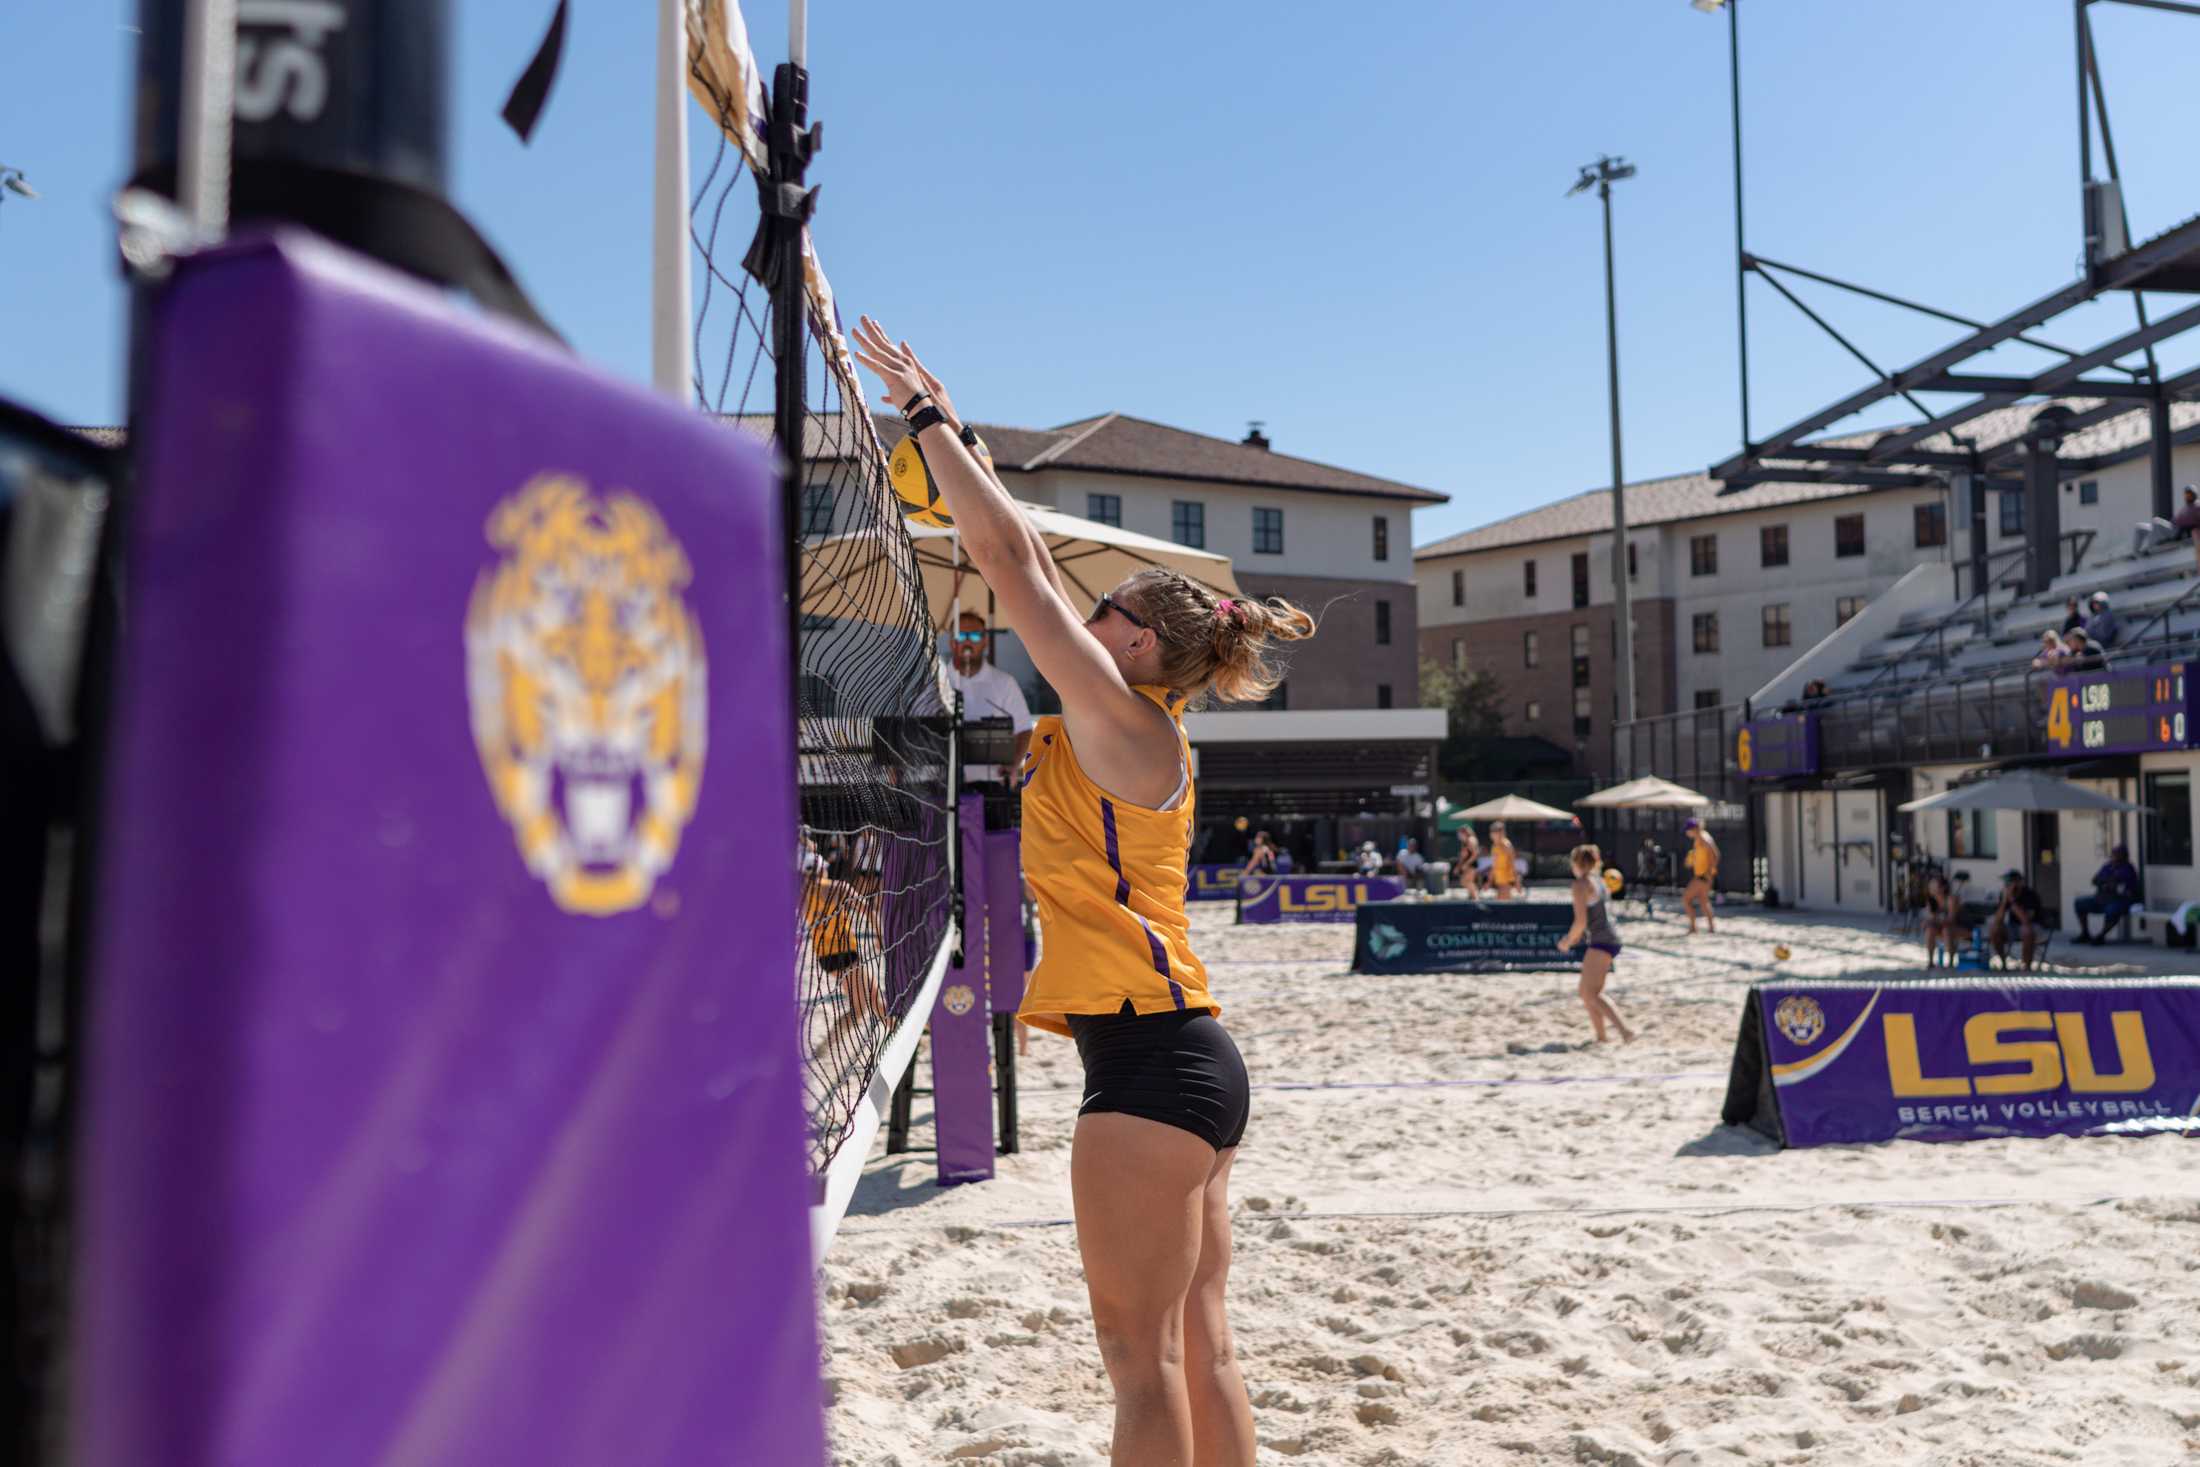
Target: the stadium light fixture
(12, 180)
(1709, 7)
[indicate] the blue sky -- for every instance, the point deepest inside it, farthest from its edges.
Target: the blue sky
(1345, 220)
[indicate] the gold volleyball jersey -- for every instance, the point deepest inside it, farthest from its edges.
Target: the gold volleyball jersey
(1701, 860)
(829, 912)
(1109, 880)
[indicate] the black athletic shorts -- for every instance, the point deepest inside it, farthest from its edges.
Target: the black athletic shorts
(1181, 1069)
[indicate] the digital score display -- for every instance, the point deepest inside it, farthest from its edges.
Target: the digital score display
(2122, 712)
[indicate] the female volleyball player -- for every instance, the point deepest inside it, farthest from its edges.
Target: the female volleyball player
(1107, 822)
(1504, 864)
(1703, 865)
(1593, 924)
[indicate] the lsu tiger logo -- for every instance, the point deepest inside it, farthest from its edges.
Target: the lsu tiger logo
(1799, 1018)
(586, 679)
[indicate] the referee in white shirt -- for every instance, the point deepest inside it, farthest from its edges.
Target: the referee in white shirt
(987, 692)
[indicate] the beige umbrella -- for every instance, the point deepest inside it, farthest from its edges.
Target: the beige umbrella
(1512, 807)
(1646, 793)
(2021, 789)
(858, 576)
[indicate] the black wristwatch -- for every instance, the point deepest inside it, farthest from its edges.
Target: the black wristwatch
(924, 418)
(969, 436)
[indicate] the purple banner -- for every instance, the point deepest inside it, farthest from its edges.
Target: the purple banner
(1953, 1061)
(962, 1027)
(443, 1099)
(1212, 883)
(1771, 748)
(1312, 898)
(2128, 711)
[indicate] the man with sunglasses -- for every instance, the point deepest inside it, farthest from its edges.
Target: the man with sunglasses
(987, 692)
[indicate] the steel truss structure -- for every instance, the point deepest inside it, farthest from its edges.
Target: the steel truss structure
(1934, 452)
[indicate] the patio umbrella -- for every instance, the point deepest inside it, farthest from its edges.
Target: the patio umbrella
(1510, 807)
(854, 576)
(2021, 789)
(1647, 793)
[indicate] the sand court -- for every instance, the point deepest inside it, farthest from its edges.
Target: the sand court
(1467, 1235)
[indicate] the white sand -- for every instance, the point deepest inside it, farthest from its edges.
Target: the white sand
(1593, 1271)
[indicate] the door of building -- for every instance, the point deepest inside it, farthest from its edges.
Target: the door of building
(2042, 837)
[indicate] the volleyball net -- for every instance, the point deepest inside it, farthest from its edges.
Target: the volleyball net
(874, 737)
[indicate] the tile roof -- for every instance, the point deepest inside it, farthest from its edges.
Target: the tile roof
(1696, 496)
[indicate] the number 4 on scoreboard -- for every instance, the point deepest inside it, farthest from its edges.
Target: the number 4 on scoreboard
(2058, 719)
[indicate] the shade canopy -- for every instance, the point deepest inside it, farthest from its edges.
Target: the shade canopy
(854, 576)
(1507, 807)
(2022, 789)
(1646, 793)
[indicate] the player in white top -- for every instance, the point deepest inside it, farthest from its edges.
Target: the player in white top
(987, 692)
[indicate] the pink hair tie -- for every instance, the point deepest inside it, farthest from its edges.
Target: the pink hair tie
(1224, 607)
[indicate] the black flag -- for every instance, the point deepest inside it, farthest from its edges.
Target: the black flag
(523, 109)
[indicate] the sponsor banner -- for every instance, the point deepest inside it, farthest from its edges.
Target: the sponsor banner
(1447, 937)
(1212, 883)
(1773, 748)
(1312, 898)
(1822, 1064)
(440, 1044)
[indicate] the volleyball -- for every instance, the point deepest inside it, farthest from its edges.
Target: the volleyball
(1613, 881)
(1241, 822)
(1779, 955)
(913, 486)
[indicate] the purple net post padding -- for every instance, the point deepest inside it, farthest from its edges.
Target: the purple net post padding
(962, 1027)
(1004, 919)
(1964, 1060)
(1312, 898)
(442, 1099)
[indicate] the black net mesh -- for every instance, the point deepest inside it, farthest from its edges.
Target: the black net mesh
(874, 740)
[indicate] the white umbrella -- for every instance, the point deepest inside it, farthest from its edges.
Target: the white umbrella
(1512, 807)
(854, 576)
(2021, 789)
(1646, 793)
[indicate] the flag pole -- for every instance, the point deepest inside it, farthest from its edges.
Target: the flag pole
(670, 276)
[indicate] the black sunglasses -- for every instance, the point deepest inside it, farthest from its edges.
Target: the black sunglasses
(1108, 603)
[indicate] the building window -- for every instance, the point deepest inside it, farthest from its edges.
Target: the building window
(1458, 654)
(1527, 578)
(1105, 509)
(1708, 698)
(1932, 525)
(2089, 491)
(1188, 523)
(1971, 834)
(1382, 695)
(2012, 513)
(1630, 560)
(817, 509)
(1581, 672)
(1772, 545)
(1382, 623)
(1581, 579)
(1848, 536)
(1382, 537)
(1777, 630)
(1703, 555)
(1458, 588)
(1267, 531)
(1534, 711)
(1706, 627)
(1578, 642)
(2169, 823)
(1581, 712)
(1531, 649)
(1846, 608)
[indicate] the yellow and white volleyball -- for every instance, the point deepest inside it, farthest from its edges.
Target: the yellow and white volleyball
(1781, 955)
(913, 486)
(1613, 881)
(1241, 822)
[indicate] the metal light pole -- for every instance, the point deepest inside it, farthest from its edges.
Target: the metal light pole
(1741, 256)
(1601, 175)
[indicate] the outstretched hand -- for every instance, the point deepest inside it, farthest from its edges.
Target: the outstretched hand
(896, 365)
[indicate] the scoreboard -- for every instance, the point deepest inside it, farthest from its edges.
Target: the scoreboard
(2131, 711)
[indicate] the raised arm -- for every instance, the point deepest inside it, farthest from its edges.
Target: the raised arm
(1122, 739)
